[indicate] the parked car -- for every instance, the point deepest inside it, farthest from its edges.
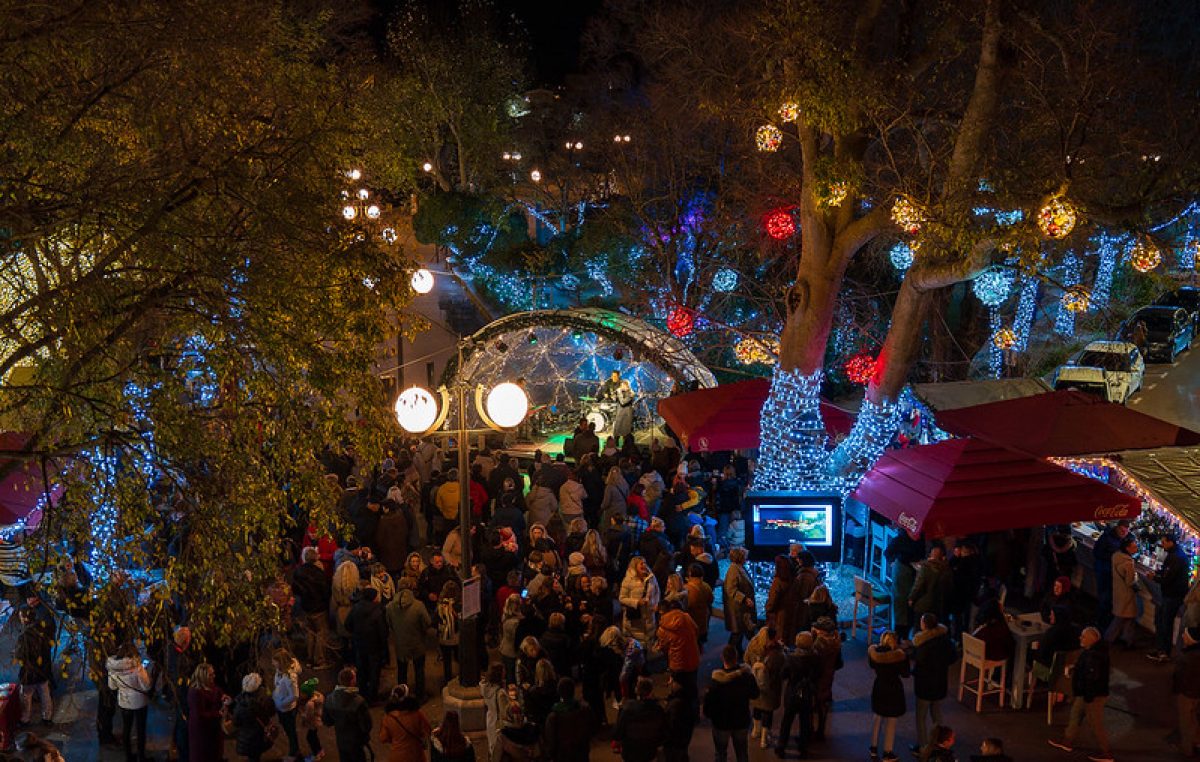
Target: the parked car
(1186, 297)
(1160, 332)
(1111, 370)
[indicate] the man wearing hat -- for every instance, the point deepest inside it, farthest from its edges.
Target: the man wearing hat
(1185, 684)
(1172, 579)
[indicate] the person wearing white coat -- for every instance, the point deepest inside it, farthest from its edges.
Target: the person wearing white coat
(639, 598)
(129, 678)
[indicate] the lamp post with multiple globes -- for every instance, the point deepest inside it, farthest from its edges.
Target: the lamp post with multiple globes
(501, 408)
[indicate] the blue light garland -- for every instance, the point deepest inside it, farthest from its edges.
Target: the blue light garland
(992, 286)
(995, 353)
(1108, 248)
(874, 427)
(725, 280)
(901, 256)
(1026, 306)
(102, 554)
(792, 445)
(1064, 321)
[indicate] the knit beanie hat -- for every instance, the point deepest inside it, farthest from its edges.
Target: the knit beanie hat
(251, 682)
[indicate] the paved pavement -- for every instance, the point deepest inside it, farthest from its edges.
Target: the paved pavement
(1138, 717)
(1172, 391)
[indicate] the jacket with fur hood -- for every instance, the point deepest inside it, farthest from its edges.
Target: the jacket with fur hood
(933, 656)
(887, 694)
(129, 679)
(727, 703)
(677, 636)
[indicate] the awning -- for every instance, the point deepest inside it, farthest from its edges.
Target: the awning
(22, 491)
(963, 486)
(952, 395)
(1171, 475)
(727, 417)
(1064, 423)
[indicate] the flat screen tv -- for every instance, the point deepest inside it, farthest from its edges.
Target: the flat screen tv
(775, 520)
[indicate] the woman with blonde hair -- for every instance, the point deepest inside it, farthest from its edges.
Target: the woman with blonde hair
(286, 696)
(676, 591)
(616, 491)
(510, 619)
(413, 566)
(639, 597)
(595, 557)
(739, 605)
(204, 700)
(346, 581)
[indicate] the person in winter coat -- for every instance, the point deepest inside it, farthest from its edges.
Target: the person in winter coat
(286, 695)
(931, 590)
(700, 601)
(1124, 594)
(933, 656)
(801, 674)
(965, 574)
(768, 673)
(729, 500)
(902, 552)
(1061, 636)
(557, 644)
(409, 624)
(828, 647)
(571, 496)
(1172, 579)
(350, 717)
(433, 579)
(1105, 547)
(128, 677)
(447, 742)
(494, 689)
(727, 705)
(308, 717)
(404, 728)
(448, 611)
(998, 641)
(391, 541)
(346, 578)
(368, 634)
(677, 637)
(738, 599)
(1089, 684)
(540, 505)
(641, 725)
(682, 709)
(252, 714)
(807, 581)
(567, 735)
(34, 655)
(639, 598)
(1185, 685)
(783, 600)
(204, 710)
(311, 587)
(887, 693)
(446, 500)
(616, 490)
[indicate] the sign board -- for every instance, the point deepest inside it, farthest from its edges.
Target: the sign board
(777, 520)
(471, 599)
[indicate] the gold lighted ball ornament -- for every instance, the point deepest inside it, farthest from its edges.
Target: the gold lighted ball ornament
(1057, 217)
(751, 350)
(836, 193)
(1005, 338)
(907, 216)
(1145, 255)
(1076, 298)
(768, 138)
(789, 112)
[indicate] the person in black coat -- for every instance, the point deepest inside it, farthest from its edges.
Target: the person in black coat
(965, 575)
(367, 626)
(1061, 636)
(1089, 684)
(557, 644)
(801, 677)
(1172, 579)
(933, 656)
(312, 590)
(350, 717)
(252, 713)
(34, 655)
(727, 704)
(681, 721)
(1103, 550)
(887, 693)
(642, 724)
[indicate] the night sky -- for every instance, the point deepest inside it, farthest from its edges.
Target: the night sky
(554, 29)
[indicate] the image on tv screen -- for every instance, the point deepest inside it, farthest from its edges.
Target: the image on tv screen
(782, 524)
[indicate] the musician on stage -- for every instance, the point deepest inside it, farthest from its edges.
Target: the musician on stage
(623, 420)
(608, 389)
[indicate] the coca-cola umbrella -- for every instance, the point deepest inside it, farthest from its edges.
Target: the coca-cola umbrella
(23, 490)
(965, 486)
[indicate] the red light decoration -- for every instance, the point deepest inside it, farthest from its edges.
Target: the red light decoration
(860, 368)
(780, 225)
(681, 322)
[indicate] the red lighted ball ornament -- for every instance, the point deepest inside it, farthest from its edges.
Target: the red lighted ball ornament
(859, 368)
(780, 225)
(681, 322)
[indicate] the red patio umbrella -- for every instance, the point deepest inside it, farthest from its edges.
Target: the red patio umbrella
(1064, 423)
(727, 417)
(23, 489)
(963, 486)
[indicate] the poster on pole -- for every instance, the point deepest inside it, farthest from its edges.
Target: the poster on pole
(470, 603)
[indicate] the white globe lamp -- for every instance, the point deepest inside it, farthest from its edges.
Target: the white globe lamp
(416, 410)
(422, 281)
(507, 405)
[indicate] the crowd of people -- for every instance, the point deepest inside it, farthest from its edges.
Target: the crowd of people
(593, 577)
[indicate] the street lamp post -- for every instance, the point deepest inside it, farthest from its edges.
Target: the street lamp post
(418, 412)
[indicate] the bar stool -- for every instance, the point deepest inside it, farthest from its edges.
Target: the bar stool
(974, 656)
(864, 594)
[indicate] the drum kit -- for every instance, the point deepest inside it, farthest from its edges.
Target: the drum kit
(601, 414)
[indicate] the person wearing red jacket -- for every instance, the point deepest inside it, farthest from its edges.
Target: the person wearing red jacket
(680, 640)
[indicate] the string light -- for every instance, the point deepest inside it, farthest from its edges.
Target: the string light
(725, 280)
(1005, 338)
(1057, 218)
(992, 286)
(1076, 298)
(874, 428)
(768, 138)
(907, 215)
(859, 368)
(780, 224)
(901, 256)
(569, 282)
(751, 350)
(995, 352)
(835, 193)
(789, 112)
(792, 451)
(681, 322)
(1108, 247)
